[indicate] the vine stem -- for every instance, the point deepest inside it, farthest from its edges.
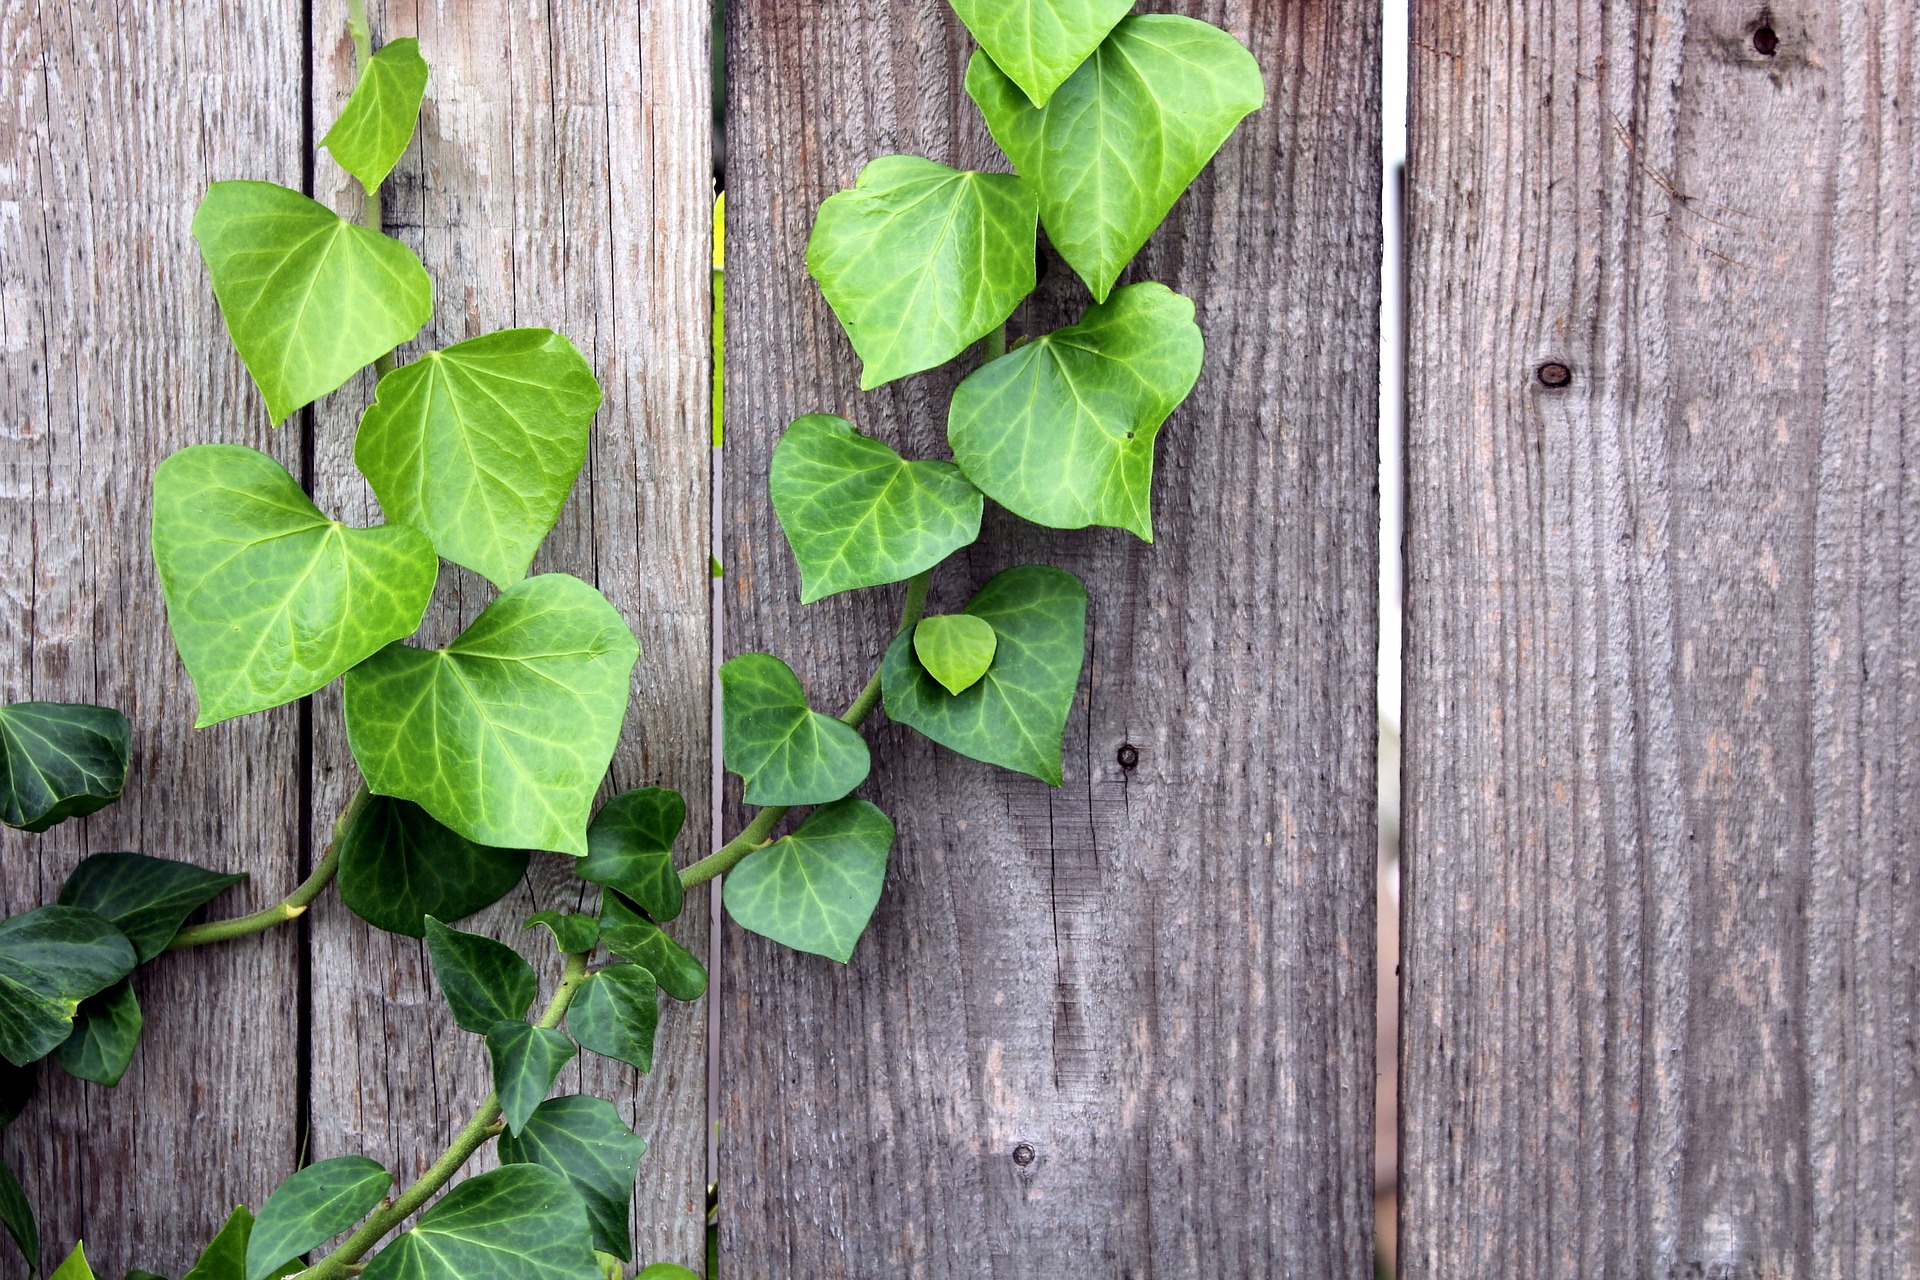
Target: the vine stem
(755, 834)
(291, 907)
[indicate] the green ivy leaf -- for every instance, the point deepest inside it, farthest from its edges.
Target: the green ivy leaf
(787, 753)
(268, 599)
(630, 848)
(614, 1013)
(75, 1267)
(59, 760)
(858, 515)
(528, 701)
(51, 959)
(312, 1207)
(377, 123)
(1039, 43)
(105, 1031)
(526, 1061)
(477, 446)
(816, 889)
(573, 932)
(1126, 134)
(17, 1216)
(226, 1257)
(920, 261)
(1016, 715)
(632, 936)
(146, 898)
(141, 1273)
(666, 1271)
(309, 298)
(398, 866)
(520, 1222)
(955, 648)
(584, 1140)
(484, 981)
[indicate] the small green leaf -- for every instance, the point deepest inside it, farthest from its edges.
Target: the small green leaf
(398, 866)
(105, 1031)
(59, 760)
(787, 753)
(52, 958)
(630, 848)
(524, 709)
(857, 515)
(477, 446)
(666, 1271)
(377, 123)
(146, 898)
(585, 1140)
(268, 599)
(614, 1013)
(1016, 716)
(1039, 43)
(920, 261)
(1061, 431)
(226, 1257)
(1114, 147)
(520, 1222)
(312, 1207)
(75, 1267)
(816, 889)
(573, 932)
(955, 648)
(632, 936)
(309, 298)
(17, 1216)
(484, 981)
(526, 1061)
(17, 1087)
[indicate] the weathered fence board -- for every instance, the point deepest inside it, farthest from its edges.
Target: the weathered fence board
(1659, 980)
(1123, 1028)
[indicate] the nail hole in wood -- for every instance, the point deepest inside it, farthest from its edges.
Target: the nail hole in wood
(1554, 374)
(1128, 755)
(1023, 1154)
(1765, 42)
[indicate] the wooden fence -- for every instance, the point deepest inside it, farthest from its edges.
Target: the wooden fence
(1661, 951)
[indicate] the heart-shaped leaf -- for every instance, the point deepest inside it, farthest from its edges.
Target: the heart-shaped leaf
(526, 1061)
(1039, 43)
(584, 1140)
(268, 599)
(478, 445)
(398, 866)
(632, 936)
(312, 1207)
(788, 753)
(816, 889)
(574, 933)
(105, 1031)
(378, 121)
(226, 1257)
(520, 1222)
(484, 981)
(59, 760)
(75, 1267)
(1061, 430)
(630, 848)
(920, 261)
(1016, 715)
(955, 648)
(858, 515)
(1126, 134)
(309, 298)
(52, 958)
(522, 712)
(146, 898)
(614, 1013)
(16, 1215)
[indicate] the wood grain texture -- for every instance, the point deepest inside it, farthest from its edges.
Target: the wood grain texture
(561, 178)
(1158, 982)
(112, 355)
(1660, 982)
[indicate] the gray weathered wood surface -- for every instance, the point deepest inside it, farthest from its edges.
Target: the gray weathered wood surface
(1156, 983)
(1660, 978)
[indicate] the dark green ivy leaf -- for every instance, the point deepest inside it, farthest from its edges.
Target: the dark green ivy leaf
(378, 121)
(484, 981)
(140, 1273)
(630, 848)
(59, 760)
(51, 959)
(614, 1013)
(585, 1140)
(573, 933)
(226, 1257)
(398, 866)
(520, 1222)
(526, 1061)
(146, 898)
(104, 1033)
(788, 753)
(632, 936)
(312, 1207)
(816, 889)
(17, 1216)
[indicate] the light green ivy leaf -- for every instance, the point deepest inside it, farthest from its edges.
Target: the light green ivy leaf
(920, 261)
(312, 1207)
(378, 121)
(526, 1061)
(398, 866)
(955, 648)
(59, 760)
(788, 753)
(105, 1031)
(585, 1140)
(16, 1215)
(858, 515)
(519, 1222)
(574, 933)
(477, 446)
(309, 298)
(1039, 43)
(75, 1267)
(614, 1013)
(1061, 431)
(145, 897)
(815, 890)
(52, 958)
(268, 599)
(632, 936)
(523, 708)
(1112, 150)
(484, 981)
(666, 1271)
(1016, 716)
(630, 848)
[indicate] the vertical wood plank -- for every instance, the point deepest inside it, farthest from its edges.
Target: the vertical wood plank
(112, 355)
(1660, 986)
(1123, 1028)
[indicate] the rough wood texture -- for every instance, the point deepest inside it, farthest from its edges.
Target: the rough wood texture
(1123, 1028)
(561, 179)
(1660, 984)
(112, 355)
